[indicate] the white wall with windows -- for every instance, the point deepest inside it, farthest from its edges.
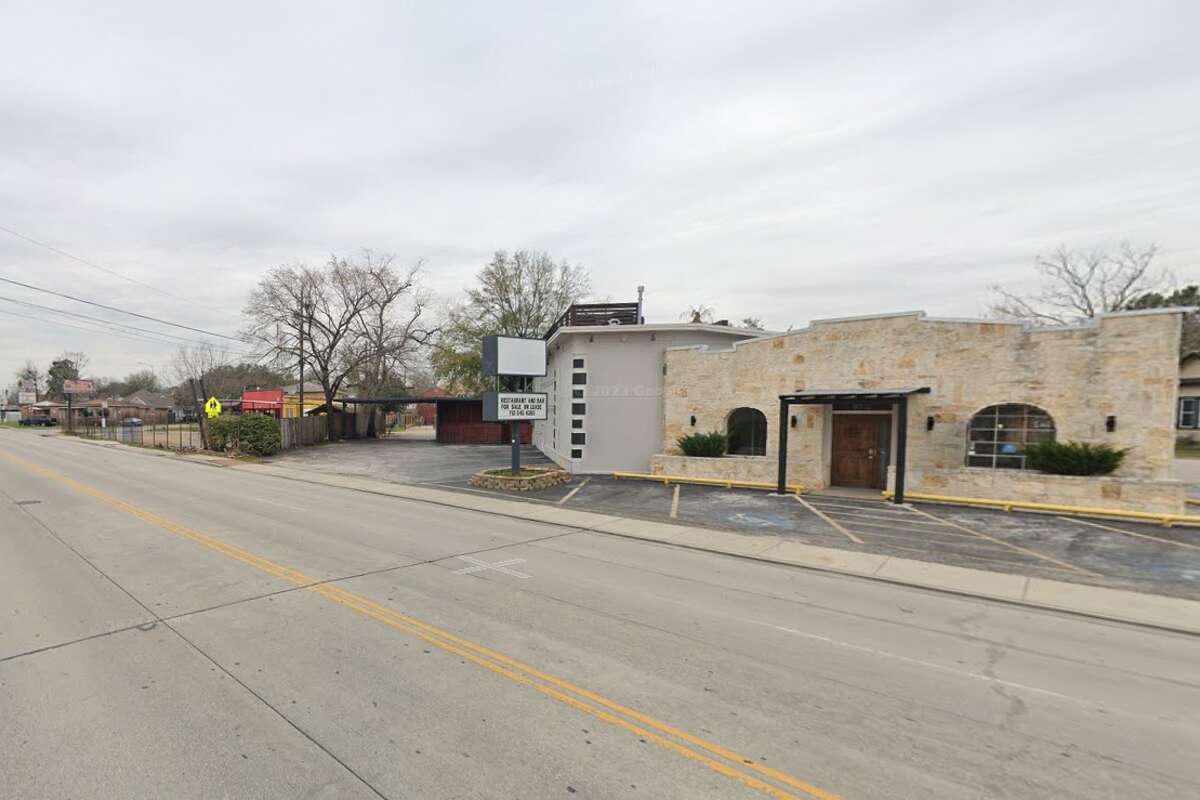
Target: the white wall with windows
(605, 388)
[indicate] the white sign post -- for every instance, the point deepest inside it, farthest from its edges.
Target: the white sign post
(71, 388)
(510, 357)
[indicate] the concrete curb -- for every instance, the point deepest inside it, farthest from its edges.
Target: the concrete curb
(1157, 611)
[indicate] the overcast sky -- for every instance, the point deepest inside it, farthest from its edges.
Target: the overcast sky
(788, 160)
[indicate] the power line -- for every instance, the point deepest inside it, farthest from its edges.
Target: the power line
(121, 334)
(104, 269)
(130, 336)
(120, 310)
(182, 339)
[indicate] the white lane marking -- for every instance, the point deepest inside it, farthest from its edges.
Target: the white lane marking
(818, 512)
(1129, 533)
(281, 505)
(979, 676)
(675, 503)
(481, 566)
(885, 654)
(571, 493)
(1009, 545)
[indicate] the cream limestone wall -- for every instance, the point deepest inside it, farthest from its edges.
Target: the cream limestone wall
(1120, 364)
(734, 468)
(1123, 494)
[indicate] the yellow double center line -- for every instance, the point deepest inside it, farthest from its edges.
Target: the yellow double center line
(645, 726)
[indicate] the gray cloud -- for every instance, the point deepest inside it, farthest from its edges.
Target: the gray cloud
(781, 160)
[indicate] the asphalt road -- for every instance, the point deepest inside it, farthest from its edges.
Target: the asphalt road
(177, 630)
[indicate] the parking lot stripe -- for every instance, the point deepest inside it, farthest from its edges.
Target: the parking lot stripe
(675, 503)
(905, 519)
(880, 508)
(1130, 533)
(1010, 546)
(825, 517)
(574, 491)
(924, 534)
(924, 555)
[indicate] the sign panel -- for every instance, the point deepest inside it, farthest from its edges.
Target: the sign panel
(512, 406)
(27, 393)
(78, 387)
(508, 355)
(212, 408)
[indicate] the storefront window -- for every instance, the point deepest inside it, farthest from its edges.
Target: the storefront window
(747, 432)
(997, 435)
(1188, 412)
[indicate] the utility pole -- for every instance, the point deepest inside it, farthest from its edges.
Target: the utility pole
(300, 324)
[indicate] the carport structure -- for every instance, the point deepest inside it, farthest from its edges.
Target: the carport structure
(459, 419)
(894, 399)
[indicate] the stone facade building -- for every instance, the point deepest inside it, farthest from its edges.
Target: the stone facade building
(976, 392)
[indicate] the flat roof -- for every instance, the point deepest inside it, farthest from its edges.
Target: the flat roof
(659, 327)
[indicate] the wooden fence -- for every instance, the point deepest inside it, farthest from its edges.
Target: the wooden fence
(303, 431)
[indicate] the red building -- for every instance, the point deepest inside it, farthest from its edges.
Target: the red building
(263, 401)
(460, 421)
(428, 411)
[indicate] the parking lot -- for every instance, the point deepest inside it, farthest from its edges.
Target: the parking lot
(1117, 554)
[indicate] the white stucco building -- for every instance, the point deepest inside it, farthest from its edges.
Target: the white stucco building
(604, 385)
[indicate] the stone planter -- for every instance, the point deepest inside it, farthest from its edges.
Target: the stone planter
(762, 469)
(500, 479)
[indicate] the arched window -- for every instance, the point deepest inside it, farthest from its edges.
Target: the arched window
(997, 435)
(747, 432)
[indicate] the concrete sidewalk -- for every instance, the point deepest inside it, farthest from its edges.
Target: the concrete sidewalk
(1113, 604)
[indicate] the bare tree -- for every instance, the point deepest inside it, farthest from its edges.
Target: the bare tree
(753, 323)
(1076, 285)
(30, 372)
(394, 328)
(337, 319)
(193, 366)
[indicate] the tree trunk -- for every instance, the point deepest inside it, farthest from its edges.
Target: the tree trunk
(338, 421)
(198, 408)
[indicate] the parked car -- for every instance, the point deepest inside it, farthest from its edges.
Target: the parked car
(42, 420)
(133, 422)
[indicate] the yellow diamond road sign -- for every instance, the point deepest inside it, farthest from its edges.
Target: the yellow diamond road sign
(212, 407)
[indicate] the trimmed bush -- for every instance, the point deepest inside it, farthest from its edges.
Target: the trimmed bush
(704, 445)
(1074, 458)
(252, 434)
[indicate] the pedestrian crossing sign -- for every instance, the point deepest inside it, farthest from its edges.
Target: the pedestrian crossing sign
(212, 407)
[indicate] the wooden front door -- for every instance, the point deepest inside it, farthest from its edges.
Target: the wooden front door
(860, 443)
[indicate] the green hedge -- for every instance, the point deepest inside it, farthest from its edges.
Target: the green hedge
(705, 445)
(252, 434)
(1073, 458)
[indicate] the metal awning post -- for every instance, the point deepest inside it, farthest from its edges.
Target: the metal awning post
(901, 448)
(898, 396)
(783, 445)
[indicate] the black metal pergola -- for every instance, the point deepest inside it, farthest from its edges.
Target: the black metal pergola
(899, 397)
